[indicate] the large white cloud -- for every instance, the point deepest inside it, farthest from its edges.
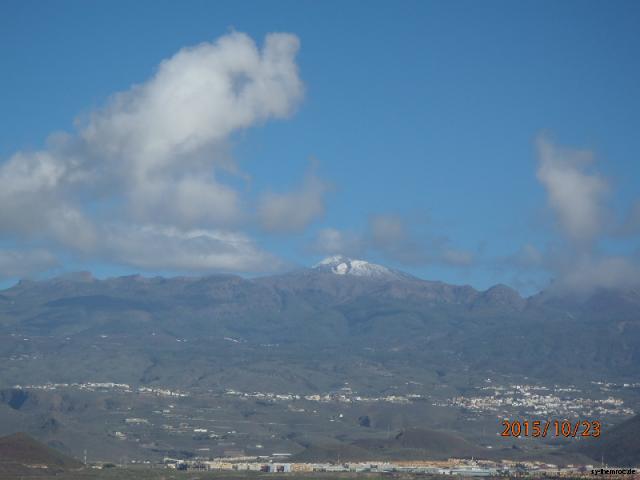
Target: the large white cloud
(197, 98)
(150, 161)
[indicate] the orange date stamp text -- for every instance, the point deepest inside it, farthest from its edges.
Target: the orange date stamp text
(551, 428)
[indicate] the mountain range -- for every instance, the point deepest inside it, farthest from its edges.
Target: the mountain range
(342, 324)
(343, 303)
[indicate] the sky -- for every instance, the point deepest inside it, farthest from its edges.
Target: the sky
(462, 141)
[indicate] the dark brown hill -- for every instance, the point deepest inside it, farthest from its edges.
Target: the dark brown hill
(619, 446)
(22, 455)
(416, 443)
(409, 444)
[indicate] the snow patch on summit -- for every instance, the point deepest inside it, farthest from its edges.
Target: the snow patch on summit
(341, 265)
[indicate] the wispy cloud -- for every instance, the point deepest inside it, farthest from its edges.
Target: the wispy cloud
(631, 224)
(295, 210)
(577, 195)
(21, 263)
(333, 241)
(394, 238)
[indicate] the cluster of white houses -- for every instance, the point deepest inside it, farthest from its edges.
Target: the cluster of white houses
(278, 463)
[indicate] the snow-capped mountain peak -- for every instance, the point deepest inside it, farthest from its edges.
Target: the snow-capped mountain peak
(333, 260)
(341, 265)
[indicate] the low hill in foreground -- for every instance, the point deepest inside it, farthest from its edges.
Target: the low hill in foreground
(410, 444)
(416, 443)
(619, 446)
(22, 455)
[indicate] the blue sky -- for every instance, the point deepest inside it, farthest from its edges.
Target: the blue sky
(417, 139)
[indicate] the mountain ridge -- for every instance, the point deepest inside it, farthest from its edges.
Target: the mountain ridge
(396, 283)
